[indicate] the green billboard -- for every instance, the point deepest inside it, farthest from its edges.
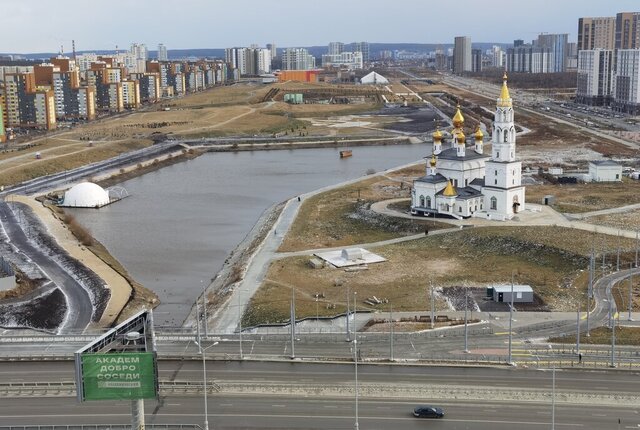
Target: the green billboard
(119, 376)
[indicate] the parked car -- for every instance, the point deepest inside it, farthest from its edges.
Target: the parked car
(425, 411)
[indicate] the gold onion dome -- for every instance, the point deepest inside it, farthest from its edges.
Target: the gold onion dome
(478, 135)
(433, 160)
(460, 138)
(505, 98)
(458, 119)
(449, 191)
(437, 135)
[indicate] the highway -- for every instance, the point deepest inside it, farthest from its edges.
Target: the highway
(314, 396)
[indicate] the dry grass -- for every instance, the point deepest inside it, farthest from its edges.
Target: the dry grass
(48, 165)
(550, 259)
(602, 335)
(623, 221)
(578, 198)
(332, 219)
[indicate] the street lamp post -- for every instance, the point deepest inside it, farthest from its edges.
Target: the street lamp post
(204, 379)
(578, 330)
(204, 310)
(553, 399)
(240, 323)
(466, 325)
(511, 320)
(390, 332)
(630, 293)
(356, 426)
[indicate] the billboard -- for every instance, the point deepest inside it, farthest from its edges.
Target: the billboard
(119, 376)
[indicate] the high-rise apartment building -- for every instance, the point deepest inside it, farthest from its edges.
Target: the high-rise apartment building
(297, 59)
(346, 59)
(361, 47)
(336, 48)
(557, 43)
(595, 69)
(162, 53)
(497, 57)
(462, 55)
(476, 60)
(249, 61)
(596, 32)
(27, 105)
(627, 30)
(530, 59)
(3, 133)
(626, 81)
(140, 56)
(272, 48)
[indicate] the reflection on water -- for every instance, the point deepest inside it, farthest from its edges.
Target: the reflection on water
(181, 222)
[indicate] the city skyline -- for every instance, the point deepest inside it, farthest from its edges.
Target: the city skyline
(285, 23)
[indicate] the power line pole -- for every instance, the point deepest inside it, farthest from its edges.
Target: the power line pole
(466, 325)
(630, 293)
(511, 320)
(433, 309)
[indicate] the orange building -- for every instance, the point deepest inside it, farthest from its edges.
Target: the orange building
(298, 75)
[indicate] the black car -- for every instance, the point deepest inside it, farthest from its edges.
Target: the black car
(428, 412)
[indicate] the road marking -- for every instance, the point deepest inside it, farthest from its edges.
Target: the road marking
(225, 404)
(174, 404)
(278, 406)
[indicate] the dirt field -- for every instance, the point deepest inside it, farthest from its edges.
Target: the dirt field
(341, 217)
(550, 259)
(578, 198)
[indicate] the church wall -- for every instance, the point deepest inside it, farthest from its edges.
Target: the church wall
(503, 175)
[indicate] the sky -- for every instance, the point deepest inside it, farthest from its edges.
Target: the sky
(33, 26)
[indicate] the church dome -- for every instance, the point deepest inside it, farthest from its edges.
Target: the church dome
(86, 195)
(478, 135)
(460, 138)
(437, 135)
(458, 119)
(505, 98)
(449, 191)
(433, 160)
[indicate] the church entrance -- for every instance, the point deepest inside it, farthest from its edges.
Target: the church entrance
(516, 204)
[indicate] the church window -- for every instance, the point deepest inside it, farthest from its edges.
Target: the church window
(506, 134)
(495, 173)
(498, 154)
(475, 208)
(481, 206)
(459, 208)
(466, 182)
(495, 182)
(513, 181)
(494, 203)
(511, 154)
(428, 202)
(448, 208)
(421, 201)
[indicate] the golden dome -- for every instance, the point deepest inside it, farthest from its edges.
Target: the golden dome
(478, 135)
(460, 138)
(505, 98)
(449, 191)
(458, 119)
(433, 160)
(437, 135)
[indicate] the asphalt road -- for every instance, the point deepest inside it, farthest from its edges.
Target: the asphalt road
(275, 412)
(80, 308)
(314, 411)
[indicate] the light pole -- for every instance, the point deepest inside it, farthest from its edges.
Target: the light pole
(204, 379)
(630, 293)
(204, 309)
(511, 319)
(466, 325)
(347, 317)
(198, 325)
(355, 355)
(390, 332)
(240, 322)
(613, 344)
(293, 323)
(433, 309)
(317, 319)
(553, 399)
(578, 330)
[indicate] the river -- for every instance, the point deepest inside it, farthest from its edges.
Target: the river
(181, 222)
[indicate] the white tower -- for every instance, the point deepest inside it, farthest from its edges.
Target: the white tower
(503, 188)
(437, 142)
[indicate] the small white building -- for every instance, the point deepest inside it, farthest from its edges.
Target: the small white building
(605, 171)
(521, 293)
(374, 78)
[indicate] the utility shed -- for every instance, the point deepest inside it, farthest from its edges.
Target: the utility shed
(352, 254)
(605, 171)
(521, 293)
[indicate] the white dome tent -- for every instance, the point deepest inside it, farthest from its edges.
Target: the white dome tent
(86, 195)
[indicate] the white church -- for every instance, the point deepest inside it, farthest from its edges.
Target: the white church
(463, 182)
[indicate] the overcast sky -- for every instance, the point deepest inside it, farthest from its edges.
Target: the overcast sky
(30, 26)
